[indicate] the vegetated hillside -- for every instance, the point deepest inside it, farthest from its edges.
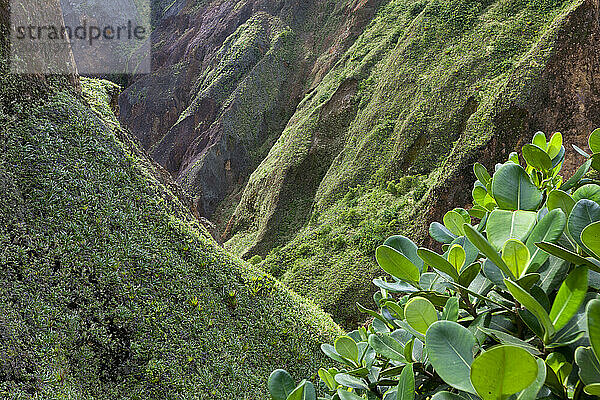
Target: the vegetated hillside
(228, 77)
(387, 138)
(109, 287)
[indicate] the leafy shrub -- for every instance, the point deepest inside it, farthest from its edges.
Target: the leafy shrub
(255, 259)
(508, 311)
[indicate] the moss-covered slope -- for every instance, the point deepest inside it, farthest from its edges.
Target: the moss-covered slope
(385, 139)
(109, 288)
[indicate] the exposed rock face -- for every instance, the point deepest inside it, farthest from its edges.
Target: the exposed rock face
(228, 78)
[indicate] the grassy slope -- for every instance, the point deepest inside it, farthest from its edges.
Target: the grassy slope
(108, 287)
(431, 77)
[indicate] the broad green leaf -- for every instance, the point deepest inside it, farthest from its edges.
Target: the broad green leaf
(395, 287)
(590, 237)
(451, 309)
(481, 173)
(346, 395)
(584, 213)
(420, 314)
(396, 264)
(502, 371)
(569, 297)
(280, 384)
(513, 190)
(554, 145)
(532, 305)
(593, 389)
(387, 346)
(347, 348)
(594, 141)
(574, 180)
(548, 229)
(350, 381)
(483, 198)
(440, 233)
(454, 222)
(406, 384)
(330, 352)
(503, 225)
(516, 256)
(557, 199)
(327, 379)
(567, 255)
(450, 348)
(528, 280)
(531, 392)
(507, 338)
(304, 391)
(539, 139)
(590, 191)
(438, 262)
(558, 363)
(449, 396)
(593, 322)
(589, 366)
(486, 248)
(537, 157)
(469, 273)
(471, 252)
(457, 256)
(395, 309)
(405, 246)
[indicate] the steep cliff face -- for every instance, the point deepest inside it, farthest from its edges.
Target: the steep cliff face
(356, 119)
(228, 78)
(109, 286)
(387, 139)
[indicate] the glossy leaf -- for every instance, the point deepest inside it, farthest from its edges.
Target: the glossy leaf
(406, 384)
(420, 314)
(503, 225)
(280, 384)
(469, 273)
(304, 391)
(454, 222)
(557, 199)
(516, 256)
(457, 257)
(532, 305)
(513, 190)
(346, 395)
(450, 348)
(387, 346)
(531, 392)
(481, 173)
(440, 233)
(567, 255)
(593, 323)
(347, 348)
(590, 237)
(548, 229)
(574, 180)
(396, 264)
(327, 379)
(502, 371)
(537, 157)
(554, 145)
(569, 297)
(583, 214)
(438, 262)
(405, 246)
(594, 141)
(589, 191)
(486, 248)
(589, 366)
(350, 381)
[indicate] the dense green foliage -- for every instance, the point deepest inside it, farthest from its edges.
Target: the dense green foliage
(427, 85)
(509, 310)
(109, 287)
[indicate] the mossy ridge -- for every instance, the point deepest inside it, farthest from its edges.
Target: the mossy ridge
(110, 289)
(421, 105)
